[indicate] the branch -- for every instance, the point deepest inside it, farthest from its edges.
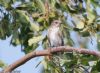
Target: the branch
(48, 52)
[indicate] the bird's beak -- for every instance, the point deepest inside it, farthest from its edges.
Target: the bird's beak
(60, 22)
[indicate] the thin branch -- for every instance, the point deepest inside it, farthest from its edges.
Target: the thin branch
(48, 52)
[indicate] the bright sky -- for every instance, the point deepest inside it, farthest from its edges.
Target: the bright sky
(10, 54)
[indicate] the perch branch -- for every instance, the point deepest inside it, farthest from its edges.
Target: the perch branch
(47, 52)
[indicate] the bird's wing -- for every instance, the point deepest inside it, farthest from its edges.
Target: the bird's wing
(60, 34)
(48, 36)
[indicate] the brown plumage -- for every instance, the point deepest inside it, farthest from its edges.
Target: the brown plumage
(55, 36)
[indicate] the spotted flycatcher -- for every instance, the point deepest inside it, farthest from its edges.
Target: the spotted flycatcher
(55, 36)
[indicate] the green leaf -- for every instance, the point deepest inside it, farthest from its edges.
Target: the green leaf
(35, 40)
(15, 39)
(95, 3)
(2, 34)
(79, 21)
(26, 6)
(45, 43)
(40, 19)
(98, 66)
(24, 17)
(85, 33)
(90, 12)
(40, 5)
(5, 3)
(53, 2)
(28, 49)
(34, 26)
(2, 64)
(80, 25)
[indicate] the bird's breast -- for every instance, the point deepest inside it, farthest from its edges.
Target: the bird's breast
(53, 34)
(54, 39)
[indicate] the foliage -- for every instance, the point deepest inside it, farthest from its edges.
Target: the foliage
(27, 21)
(72, 63)
(2, 64)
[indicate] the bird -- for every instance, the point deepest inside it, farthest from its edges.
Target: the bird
(55, 39)
(55, 35)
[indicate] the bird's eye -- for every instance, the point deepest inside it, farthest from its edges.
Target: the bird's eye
(56, 22)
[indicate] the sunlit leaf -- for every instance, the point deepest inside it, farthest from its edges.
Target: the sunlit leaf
(80, 25)
(34, 26)
(35, 15)
(52, 14)
(26, 6)
(40, 5)
(90, 12)
(92, 63)
(40, 19)
(79, 21)
(2, 64)
(35, 40)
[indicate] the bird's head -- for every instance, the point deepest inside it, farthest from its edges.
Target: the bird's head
(56, 23)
